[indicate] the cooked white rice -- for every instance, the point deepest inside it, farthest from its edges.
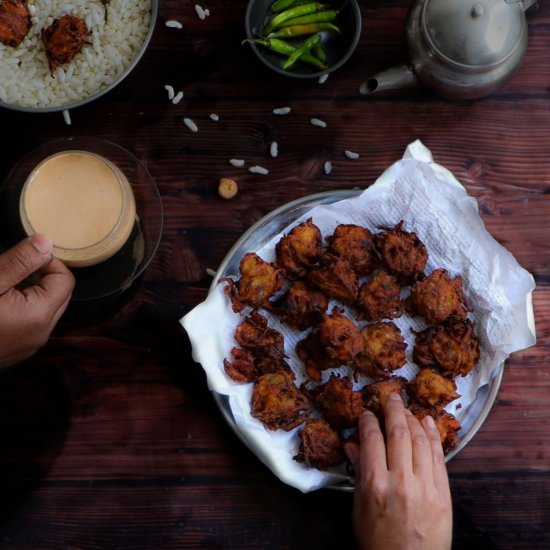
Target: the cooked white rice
(26, 80)
(237, 162)
(259, 170)
(351, 154)
(318, 122)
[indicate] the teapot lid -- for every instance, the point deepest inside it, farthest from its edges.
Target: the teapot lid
(474, 33)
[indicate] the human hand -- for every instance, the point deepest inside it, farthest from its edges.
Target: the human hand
(28, 314)
(402, 496)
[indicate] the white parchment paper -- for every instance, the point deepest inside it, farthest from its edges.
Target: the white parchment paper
(436, 206)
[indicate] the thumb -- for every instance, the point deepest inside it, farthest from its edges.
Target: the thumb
(23, 259)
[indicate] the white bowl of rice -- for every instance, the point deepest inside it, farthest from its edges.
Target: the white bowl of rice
(120, 33)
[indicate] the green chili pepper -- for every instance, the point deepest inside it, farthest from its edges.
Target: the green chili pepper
(301, 30)
(284, 48)
(320, 53)
(306, 47)
(319, 17)
(281, 5)
(292, 13)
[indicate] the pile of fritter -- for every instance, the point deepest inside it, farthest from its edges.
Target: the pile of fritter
(374, 277)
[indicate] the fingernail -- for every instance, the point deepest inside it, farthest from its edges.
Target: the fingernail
(429, 421)
(408, 413)
(351, 451)
(367, 413)
(41, 244)
(394, 397)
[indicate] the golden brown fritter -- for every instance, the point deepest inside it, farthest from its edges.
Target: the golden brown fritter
(437, 298)
(340, 338)
(15, 22)
(340, 405)
(403, 253)
(64, 39)
(446, 423)
(380, 298)
(453, 347)
(321, 446)
(354, 244)
(278, 403)
(311, 352)
(375, 395)
(334, 278)
(258, 282)
(301, 307)
(299, 250)
(431, 389)
(384, 349)
(240, 368)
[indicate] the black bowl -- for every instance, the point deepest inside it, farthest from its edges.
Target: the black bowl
(338, 47)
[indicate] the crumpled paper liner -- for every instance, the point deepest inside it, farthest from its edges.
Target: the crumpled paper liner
(436, 206)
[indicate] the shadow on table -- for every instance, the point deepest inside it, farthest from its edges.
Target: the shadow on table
(33, 424)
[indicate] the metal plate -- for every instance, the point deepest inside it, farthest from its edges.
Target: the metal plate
(273, 224)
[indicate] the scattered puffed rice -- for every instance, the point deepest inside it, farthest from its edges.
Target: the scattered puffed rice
(323, 78)
(172, 24)
(210, 272)
(190, 124)
(170, 91)
(202, 13)
(282, 111)
(328, 167)
(351, 155)
(227, 188)
(67, 117)
(318, 122)
(259, 170)
(214, 117)
(274, 149)
(236, 162)
(177, 98)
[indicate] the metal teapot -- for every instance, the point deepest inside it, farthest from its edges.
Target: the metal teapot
(461, 49)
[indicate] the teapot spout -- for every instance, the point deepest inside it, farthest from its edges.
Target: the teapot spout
(392, 79)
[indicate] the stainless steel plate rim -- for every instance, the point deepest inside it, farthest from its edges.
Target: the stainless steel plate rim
(293, 210)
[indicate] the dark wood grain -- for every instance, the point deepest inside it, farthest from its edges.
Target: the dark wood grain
(110, 436)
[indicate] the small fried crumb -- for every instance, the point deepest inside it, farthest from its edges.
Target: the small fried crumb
(227, 188)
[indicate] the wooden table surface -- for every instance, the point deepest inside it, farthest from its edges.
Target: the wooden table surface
(110, 437)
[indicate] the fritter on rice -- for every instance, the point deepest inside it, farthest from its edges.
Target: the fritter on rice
(335, 278)
(259, 281)
(278, 403)
(452, 347)
(431, 389)
(437, 298)
(403, 253)
(340, 404)
(384, 350)
(321, 447)
(299, 250)
(380, 298)
(355, 245)
(15, 22)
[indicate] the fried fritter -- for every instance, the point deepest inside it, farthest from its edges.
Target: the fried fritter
(446, 423)
(254, 333)
(299, 250)
(321, 446)
(404, 253)
(431, 389)
(278, 403)
(64, 39)
(241, 368)
(384, 347)
(311, 352)
(301, 306)
(380, 298)
(340, 338)
(375, 395)
(258, 282)
(453, 347)
(15, 22)
(354, 244)
(340, 404)
(334, 278)
(438, 297)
